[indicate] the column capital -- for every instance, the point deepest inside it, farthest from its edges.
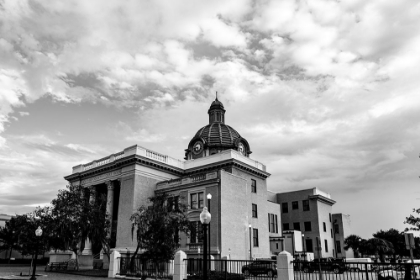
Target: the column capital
(110, 185)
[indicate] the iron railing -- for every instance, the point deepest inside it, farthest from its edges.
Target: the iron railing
(231, 269)
(141, 267)
(304, 270)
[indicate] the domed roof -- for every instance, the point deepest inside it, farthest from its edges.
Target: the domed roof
(218, 135)
(216, 104)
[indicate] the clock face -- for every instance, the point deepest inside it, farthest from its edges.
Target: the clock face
(198, 147)
(241, 148)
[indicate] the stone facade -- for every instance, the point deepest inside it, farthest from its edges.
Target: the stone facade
(246, 219)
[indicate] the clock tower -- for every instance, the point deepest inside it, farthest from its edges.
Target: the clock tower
(216, 136)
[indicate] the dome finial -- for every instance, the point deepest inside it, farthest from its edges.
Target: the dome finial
(216, 96)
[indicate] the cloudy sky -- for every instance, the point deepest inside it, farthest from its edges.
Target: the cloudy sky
(326, 92)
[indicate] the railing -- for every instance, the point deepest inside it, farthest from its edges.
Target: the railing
(143, 268)
(102, 161)
(199, 177)
(118, 155)
(195, 246)
(156, 156)
(138, 150)
(355, 271)
(232, 269)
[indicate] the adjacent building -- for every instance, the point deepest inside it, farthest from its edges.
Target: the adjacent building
(342, 229)
(310, 212)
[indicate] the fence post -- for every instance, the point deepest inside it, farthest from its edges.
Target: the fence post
(224, 265)
(113, 264)
(285, 266)
(180, 271)
(367, 272)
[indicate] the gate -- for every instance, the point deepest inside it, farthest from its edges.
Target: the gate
(232, 269)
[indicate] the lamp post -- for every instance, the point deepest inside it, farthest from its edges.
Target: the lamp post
(303, 246)
(209, 196)
(38, 233)
(205, 218)
(250, 245)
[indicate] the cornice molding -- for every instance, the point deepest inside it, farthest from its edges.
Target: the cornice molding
(157, 165)
(322, 198)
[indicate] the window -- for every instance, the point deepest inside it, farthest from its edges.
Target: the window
(338, 246)
(295, 205)
(277, 245)
(254, 211)
(326, 245)
(255, 237)
(296, 226)
(253, 186)
(336, 228)
(305, 204)
(324, 226)
(284, 207)
(308, 226)
(331, 233)
(330, 217)
(309, 245)
(196, 235)
(272, 223)
(286, 226)
(197, 200)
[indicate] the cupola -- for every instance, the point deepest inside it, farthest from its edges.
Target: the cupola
(216, 136)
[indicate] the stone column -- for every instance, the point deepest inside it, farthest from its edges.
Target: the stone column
(88, 245)
(180, 268)
(92, 196)
(285, 266)
(110, 203)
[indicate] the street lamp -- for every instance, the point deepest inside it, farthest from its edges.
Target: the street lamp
(250, 245)
(205, 218)
(208, 204)
(38, 233)
(303, 246)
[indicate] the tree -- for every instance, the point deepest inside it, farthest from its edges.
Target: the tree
(396, 238)
(73, 218)
(354, 242)
(377, 246)
(9, 237)
(157, 228)
(413, 221)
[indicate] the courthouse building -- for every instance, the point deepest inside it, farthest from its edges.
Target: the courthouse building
(217, 161)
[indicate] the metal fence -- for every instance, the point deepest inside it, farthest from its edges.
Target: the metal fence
(355, 271)
(143, 268)
(232, 269)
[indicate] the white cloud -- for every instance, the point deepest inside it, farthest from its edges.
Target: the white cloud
(79, 148)
(326, 92)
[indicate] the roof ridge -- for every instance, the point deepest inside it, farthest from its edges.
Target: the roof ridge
(208, 136)
(220, 134)
(230, 132)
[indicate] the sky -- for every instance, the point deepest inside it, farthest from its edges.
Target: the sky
(327, 93)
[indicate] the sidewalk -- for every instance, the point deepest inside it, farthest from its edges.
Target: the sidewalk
(13, 272)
